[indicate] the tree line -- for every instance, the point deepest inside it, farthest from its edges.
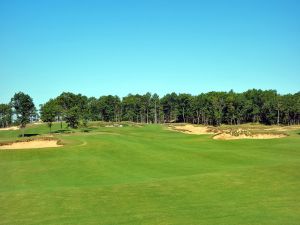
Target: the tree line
(22, 107)
(212, 108)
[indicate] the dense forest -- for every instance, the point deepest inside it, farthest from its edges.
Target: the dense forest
(212, 108)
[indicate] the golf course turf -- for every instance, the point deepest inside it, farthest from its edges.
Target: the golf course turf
(142, 175)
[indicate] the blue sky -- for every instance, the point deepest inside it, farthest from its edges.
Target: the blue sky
(120, 47)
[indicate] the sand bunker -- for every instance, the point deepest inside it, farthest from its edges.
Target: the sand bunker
(225, 136)
(282, 129)
(190, 129)
(31, 144)
(10, 128)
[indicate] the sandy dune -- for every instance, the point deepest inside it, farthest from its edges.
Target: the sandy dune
(225, 136)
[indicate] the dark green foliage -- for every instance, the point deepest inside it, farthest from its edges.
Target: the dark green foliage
(72, 117)
(50, 111)
(212, 108)
(169, 105)
(73, 108)
(184, 106)
(23, 108)
(109, 108)
(131, 108)
(5, 115)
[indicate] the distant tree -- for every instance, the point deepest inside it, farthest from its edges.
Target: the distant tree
(49, 111)
(278, 107)
(146, 104)
(296, 98)
(130, 108)
(291, 108)
(184, 106)
(93, 109)
(109, 107)
(23, 108)
(72, 117)
(169, 105)
(198, 108)
(268, 110)
(240, 109)
(254, 97)
(71, 103)
(66, 101)
(117, 108)
(5, 115)
(155, 102)
(216, 106)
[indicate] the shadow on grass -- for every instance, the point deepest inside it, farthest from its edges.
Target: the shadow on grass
(91, 128)
(28, 135)
(63, 131)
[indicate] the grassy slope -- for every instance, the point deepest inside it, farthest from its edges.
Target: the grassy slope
(149, 175)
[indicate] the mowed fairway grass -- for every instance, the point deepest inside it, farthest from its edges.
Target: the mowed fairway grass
(150, 175)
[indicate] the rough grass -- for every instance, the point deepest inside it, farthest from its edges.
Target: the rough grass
(149, 175)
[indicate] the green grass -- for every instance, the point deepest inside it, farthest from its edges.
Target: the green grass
(149, 175)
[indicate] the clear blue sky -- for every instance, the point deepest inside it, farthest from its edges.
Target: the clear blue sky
(116, 47)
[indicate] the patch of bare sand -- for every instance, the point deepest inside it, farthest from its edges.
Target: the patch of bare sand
(31, 144)
(37, 123)
(285, 128)
(191, 129)
(224, 136)
(10, 128)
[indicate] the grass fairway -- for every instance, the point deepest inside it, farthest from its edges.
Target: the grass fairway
(149, 175)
